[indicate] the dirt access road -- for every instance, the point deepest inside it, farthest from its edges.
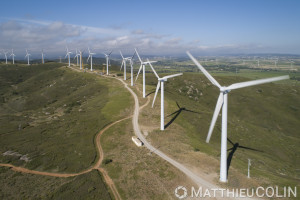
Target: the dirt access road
(198, 180)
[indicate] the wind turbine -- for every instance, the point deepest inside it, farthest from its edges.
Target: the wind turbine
(5, 55)
(91, 56)
(161, 83)
(76, 56)
(68, 54)
(143, 64)
(131, 67)
(124, 63)
(249, 164)
(27, 55)
(80, 58)
(223, 103)
(13, 56)
(43, 56)
(107, 61)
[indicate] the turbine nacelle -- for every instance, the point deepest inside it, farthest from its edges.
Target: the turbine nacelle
(160, 80)
(224, 90)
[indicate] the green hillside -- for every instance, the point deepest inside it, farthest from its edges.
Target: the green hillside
(264, 117)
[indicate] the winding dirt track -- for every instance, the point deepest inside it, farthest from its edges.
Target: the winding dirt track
(96, 166)
(198, 180)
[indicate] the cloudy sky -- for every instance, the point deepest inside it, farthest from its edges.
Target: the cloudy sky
(156, 27)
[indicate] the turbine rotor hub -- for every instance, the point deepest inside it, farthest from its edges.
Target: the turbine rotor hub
(224, 90)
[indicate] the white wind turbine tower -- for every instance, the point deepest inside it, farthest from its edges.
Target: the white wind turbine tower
(13, 56)
(143, 64)
(91, 56)
(249, 164)
(80, 58)
(27, 55)
(124, 60)
(76, 56)
(43, 56)
(131, 67)
(160, 83)
(5, 55)
(223, 103)
(107, 61)
(68, 54)
(123, 63)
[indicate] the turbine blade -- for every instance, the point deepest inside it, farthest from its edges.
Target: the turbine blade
(110, 52)
(139, 72)
(215, 116)
(157, 88)
(121, 54)
(153, 69)
(204, 70)
(133, 55)
(88, 58)
(122, 65)
(171, 76)
(138, 55)
(256, 82)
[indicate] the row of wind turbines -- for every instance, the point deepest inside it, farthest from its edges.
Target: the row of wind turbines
(79, 54)
(222, 102)
(26, 56)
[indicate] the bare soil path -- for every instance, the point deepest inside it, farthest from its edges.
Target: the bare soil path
(198, 180)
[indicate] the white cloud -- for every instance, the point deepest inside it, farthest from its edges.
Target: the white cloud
(54, 36)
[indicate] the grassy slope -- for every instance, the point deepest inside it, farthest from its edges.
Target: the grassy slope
(58, 112)
(264, 117)
(137, 173)
(15, 185)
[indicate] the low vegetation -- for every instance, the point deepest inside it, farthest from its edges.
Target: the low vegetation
(16, 185)
(264, 117)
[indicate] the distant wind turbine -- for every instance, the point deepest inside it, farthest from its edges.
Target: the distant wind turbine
(131, 67)
(222, 103)
(13, 56)
(143, 64)
(160, 83)
(91, 56)
(124, 60)
(123, 63)
(107, 61)
(27, 55)
(68, 54)
(76, 56)
(43, 56)
(80, 58)
(5, 55)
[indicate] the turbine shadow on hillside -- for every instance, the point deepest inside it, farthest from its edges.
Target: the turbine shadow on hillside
(177, 113)
(233, 149)
(153, 91)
